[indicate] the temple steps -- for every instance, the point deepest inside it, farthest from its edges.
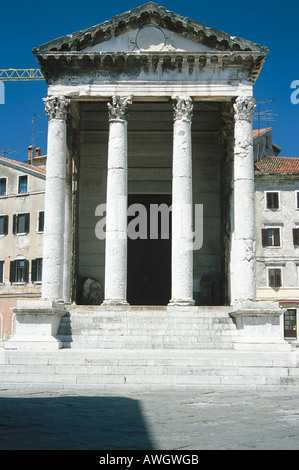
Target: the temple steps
(95, 369)
(147, 328)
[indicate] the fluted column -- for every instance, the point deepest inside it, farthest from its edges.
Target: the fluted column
(116, 205)
(243, 264)
(182, 253)
(53, 244)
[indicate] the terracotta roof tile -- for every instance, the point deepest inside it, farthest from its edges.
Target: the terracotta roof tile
(257, 132)
(277, 166)
(25, 165)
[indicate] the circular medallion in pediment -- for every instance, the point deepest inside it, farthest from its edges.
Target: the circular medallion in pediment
(150, 38)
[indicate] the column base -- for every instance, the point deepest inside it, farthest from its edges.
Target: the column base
(259, 328)
(37, 325)
(112, 303)
(183, 303)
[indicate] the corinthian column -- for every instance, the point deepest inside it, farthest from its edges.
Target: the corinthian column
(53, 244)
(182, 254)
(243, 273)
(116, 205)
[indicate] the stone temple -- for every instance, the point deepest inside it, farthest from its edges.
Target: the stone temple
(149, 111)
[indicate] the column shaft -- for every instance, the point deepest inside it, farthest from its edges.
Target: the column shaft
(243, 272)
(116, 205)
(53, 244)
(182, 253)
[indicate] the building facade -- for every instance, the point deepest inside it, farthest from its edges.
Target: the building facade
(22, 189)
(277, 220)
(148, 110)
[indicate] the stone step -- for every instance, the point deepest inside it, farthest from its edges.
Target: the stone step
(147, 327)
(147, 368)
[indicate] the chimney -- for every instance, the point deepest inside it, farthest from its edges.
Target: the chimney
(38, 152)
(30, 153)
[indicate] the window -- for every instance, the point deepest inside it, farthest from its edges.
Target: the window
(41, 219)
(296, 236)
(2, 186)
(1, 271)
(271, 237)
(274, 277)
(23, 184)
(19, 270)
(21, 223)
(3, 224)
(290, 323)
(36, 270)
(272, 200)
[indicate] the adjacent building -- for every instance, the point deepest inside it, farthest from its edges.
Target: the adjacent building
(22, 191)
(277, 222)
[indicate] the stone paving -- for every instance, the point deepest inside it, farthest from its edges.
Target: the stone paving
(178, 419)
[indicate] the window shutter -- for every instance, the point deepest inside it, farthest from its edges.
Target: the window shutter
(14, 228)
(5, 228)
(12, 271)
(272, 201)
(296, 236)
(276, 237)
(34, 270)
(41, 221)
(1, 271)
(27, 222)
(26, 271)
(264, 237)
(278, 277)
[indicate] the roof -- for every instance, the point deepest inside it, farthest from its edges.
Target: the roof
(257, 132)
(22, 166)
(75, 47)
(277, 166)
(151, 13)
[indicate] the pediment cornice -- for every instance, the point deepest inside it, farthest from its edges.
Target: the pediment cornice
(150, 14)
(69, 54)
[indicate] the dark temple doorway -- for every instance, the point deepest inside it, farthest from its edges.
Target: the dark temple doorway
(149, 255)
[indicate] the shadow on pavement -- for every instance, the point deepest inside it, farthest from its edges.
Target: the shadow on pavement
(73, 423)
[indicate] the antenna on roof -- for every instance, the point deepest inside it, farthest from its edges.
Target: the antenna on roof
(34, 131)
(266, 115)
(7, 150)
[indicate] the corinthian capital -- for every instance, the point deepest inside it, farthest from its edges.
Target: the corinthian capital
(118, 108)
(56, 107)
(183, 108)
(244, 108)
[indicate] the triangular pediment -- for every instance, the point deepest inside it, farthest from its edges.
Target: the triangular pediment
(149, 28)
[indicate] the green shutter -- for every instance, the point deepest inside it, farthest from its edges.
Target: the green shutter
(5, 229)
(34, 270)
(12, 271)
(26, 271)
(15, 221)
(27, 222)
(296, 236)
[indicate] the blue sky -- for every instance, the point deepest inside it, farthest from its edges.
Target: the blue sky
(25, 25)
